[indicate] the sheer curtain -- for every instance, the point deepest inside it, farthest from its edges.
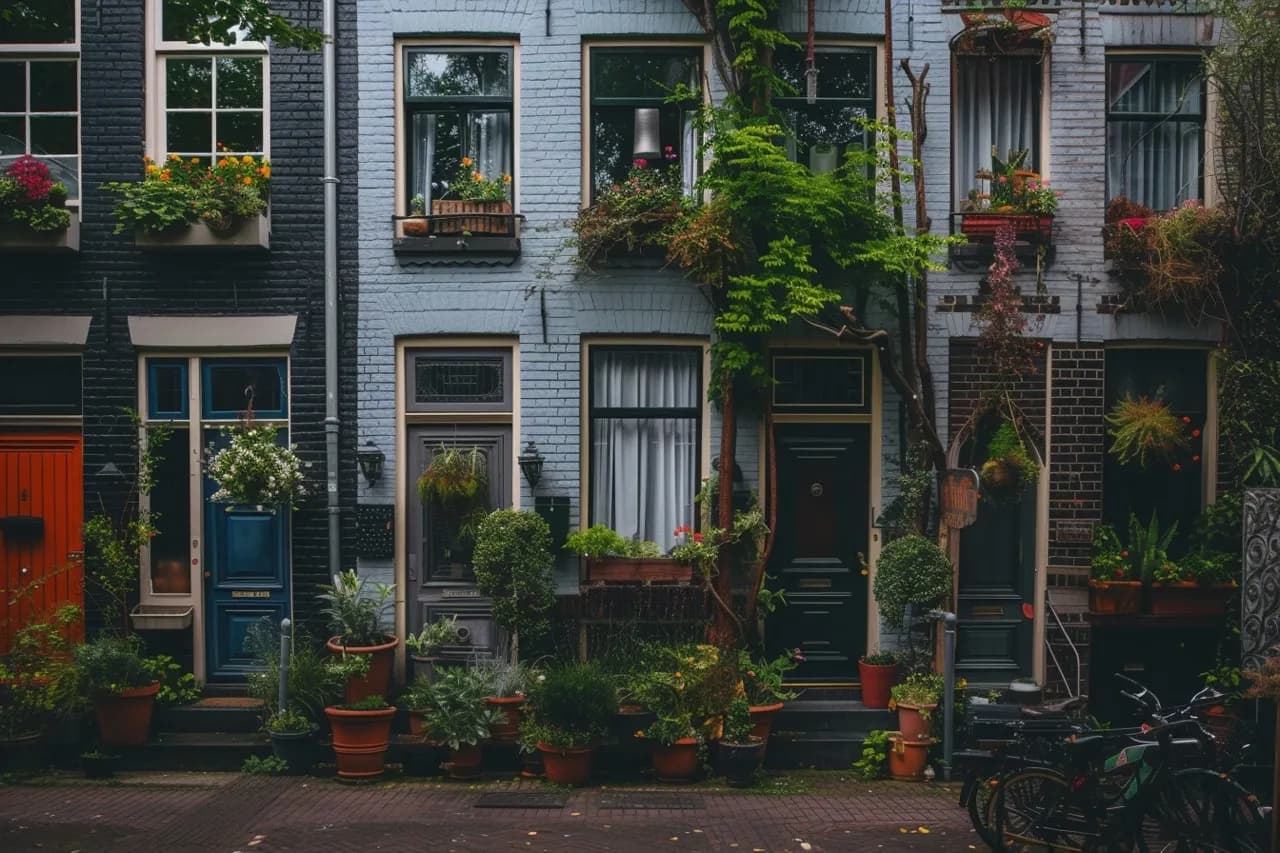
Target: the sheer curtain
(643, 469)
(435, 138)
(997, 103)
(424, 154)
(1154, 158)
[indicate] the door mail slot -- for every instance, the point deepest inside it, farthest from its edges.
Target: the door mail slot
(815, 583)
(987, 612)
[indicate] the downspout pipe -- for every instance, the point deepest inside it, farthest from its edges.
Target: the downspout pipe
(330, 180)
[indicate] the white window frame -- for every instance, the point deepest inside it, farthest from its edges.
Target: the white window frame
(159, 51)
(60, 50)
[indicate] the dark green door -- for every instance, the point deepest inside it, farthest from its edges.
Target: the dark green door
(823, 522)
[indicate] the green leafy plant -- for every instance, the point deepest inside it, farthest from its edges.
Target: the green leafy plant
(290, 722)
(469, 184)
(570, 706)
(920, 689)
(600, 541)
(911, 571)
(418, 205)
(881, 659)
(355, 608)
(316, 678)
(457, 712)
(30, 197)
(368, 703)
(513, 562)
(433, 637)
(1109, 560)
(39, 681)
(1007, 187)
(456, 484)
(417, 694)
(629, 215)
(762, 678)
(1144, 431)
(506, 678)
(180, 191)
(1009, 468)
(1149, 546)
(264, 765)
(111, 664)
(177, 686)
(1226, 678)
(738, 726)
(254, 469)
(875, 753)
(667, 729)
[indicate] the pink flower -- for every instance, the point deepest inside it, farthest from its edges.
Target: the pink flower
(640, 163)
(697, 537)
(1004, 179)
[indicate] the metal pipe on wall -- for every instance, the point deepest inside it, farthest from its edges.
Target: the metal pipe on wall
(330, 179)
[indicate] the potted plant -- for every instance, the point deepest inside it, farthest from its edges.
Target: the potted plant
(739, 752)
(255, 470)
(361, 733)
(1009, 194)
(911, 571)
(39, 689)
(416, 227)
(460, 717)
(21, 719)
(569, 709)
(916, 698)
(875, 754)
(1009, 469)
(424, 647)
(416, 700)
(878, 672)
(293, 740)
(762, 682)
(630, 217)
(33, 206)
(115, 676)
(473, 204)
(455, 484)
(507, 685)
(673, 746)
(355, 617)
(315, 678)
(97, 764)
(1113, 588)
(908, 756)
(1200, 584)
(512, 563)
(610, 557)
(1144, 431)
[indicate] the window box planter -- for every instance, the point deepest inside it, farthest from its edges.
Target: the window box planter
(455, 216)
(638, 570)
(248, 233)
(982, 227)
(161, 617)
(1115, 596)
(20, 238)
(1189, 599)
(444, 235)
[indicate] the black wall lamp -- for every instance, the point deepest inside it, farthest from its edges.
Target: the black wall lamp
(531, 464)
(371, 460)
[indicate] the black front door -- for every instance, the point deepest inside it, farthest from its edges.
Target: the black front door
(823, 522)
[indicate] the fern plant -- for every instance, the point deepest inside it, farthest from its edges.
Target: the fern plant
(1145, 431)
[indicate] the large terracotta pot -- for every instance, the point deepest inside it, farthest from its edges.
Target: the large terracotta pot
(124, 718)
(676, 762)
(418, 725)
(1190, 599)
(569, 766)
(511, 707)
(466, 762)
(360, 740)
(907, 758)
(762, 720)
(877, 680)
(913, 724)
(1115, 596)
(377, 681)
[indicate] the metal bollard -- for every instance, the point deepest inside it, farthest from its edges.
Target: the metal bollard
(286, 638)
(949, 688)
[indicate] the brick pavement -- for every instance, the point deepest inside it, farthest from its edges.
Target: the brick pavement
(272, 815)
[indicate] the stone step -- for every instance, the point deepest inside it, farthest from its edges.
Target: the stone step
(824, 715)
(828, 750)
(196, 751)
(211, 714)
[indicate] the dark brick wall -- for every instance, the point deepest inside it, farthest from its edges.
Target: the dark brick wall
(1077, 436)
(109, 279)
(971, 384)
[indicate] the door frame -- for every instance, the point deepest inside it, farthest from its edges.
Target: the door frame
(875, 476)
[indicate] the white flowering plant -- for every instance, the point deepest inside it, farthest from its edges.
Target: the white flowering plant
(255, 470)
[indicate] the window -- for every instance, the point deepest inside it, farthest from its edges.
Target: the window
(211, 99)
(997, 105)
(40, 88)
(644, 421)
(1155, 130)
(458, 103)
(630, 117)
(825, 129)
(40, 385)
(459, 380)
(820, 382)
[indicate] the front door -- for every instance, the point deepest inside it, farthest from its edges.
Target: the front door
(823, 523)
(41, 521)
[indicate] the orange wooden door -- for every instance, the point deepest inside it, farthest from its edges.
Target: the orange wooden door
(41, 526)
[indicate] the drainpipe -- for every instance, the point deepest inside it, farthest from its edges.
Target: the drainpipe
(330, 179)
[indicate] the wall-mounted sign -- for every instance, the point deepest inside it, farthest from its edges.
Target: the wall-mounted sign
(959, 497)
(250, 593)
(460, 593)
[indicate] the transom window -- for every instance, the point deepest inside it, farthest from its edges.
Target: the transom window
(40, 89)
(458, 104)
(631, 118)
(997, 105)
(645, 411)
(458, 380)
(1155, 130)
(825, 129)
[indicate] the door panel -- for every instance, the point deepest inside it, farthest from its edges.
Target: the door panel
(41, 522)
(823, 519)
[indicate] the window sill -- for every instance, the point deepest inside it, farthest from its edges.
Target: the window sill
(490, 238)
(19, 238)
(252, 233)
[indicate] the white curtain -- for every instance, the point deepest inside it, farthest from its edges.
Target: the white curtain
(1154, 162)
(643, 469)
(488, 143)
(424, 154)
(997, 103)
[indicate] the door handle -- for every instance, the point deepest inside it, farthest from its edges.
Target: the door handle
(208, 574)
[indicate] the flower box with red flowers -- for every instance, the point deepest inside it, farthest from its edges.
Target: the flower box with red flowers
(1007, 194)
(33, 212)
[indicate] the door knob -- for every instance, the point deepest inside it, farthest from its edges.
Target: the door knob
(208, 574)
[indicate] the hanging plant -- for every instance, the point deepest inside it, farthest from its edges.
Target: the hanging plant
(456, 481)
(1009, 470)
(1144, 431)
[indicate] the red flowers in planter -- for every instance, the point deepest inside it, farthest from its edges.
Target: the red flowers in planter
(32, 176)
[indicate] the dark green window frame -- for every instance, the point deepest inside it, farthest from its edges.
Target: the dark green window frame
(798, 101)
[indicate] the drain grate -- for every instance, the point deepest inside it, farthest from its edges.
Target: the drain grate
(649, 800)
(522, 800)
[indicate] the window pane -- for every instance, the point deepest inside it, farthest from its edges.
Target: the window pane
(458, 380)
(40, 385)
(171, 503)
(648, 74)
(437, 148)
(821, 382)
(613, 140)
(168, 390)
(189, 133)
(240, 132)
(239, 82)
(440, 74)
(1154, 87)
(1154, 163)
(643, 476)
(841, 73)
(53, 87)
(644, 378)
(13, 87)
(13, 135)
(38, 22)
(189, 83)
(231, 386)
(53, 134)
(489, 143)
(997, 105)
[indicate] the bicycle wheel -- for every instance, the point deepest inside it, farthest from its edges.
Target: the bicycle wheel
(980, 809)
(1201, 811)
(1035, 809)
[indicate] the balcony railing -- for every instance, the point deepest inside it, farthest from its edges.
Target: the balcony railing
(460, 236)
(1033, 237)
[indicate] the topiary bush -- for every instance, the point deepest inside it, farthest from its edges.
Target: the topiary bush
(512, 563)
(911, 570)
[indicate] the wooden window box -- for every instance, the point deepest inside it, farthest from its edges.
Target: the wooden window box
(638, 570)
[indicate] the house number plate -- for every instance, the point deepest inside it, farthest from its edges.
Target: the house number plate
(250, 593)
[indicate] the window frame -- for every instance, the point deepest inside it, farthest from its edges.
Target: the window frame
(873, 100)
(1156, 119)
(159, 51)
(54, 51)
(411, 356)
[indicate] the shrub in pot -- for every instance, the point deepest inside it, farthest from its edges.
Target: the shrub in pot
(115, 676)
(916, 698)
(739, 752)
(361, 732)
(460, 717)
(416, 700)
(316, 679)
(98, 764)
(1009, 469)
(911, 570)
(293, 740)
(673, 746)
(762, 681)
(569, 708)
(1113, 588)
(425, 646)
(354, 609)
(39, 690)
(610, 556)
(512, 563)
(878, 672)
(507, 684)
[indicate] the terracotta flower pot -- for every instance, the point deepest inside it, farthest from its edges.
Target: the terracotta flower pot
(377, 681)
(1115, 596)
(124, 718)
(676, 762)
(360, 740)
(569, 766)
(907, 758)
(415, 227)
(912, 723)
(1190, 599)
(418, 725)
(762, 720)
(466, 762)
(512, 708)
(876, 681)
